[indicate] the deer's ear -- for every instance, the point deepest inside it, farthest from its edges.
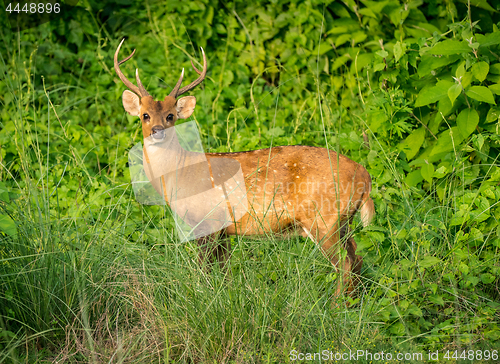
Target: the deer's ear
(131, 103)
(185, 106)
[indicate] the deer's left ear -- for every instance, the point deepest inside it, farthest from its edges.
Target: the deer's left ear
(185, 106)
(131, 103)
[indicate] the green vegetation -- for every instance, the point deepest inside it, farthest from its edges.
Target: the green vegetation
(409, 89)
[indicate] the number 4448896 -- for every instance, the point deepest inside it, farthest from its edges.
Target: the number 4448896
(33, 8)
(471, 355)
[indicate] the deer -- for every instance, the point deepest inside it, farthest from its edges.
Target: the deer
(312, 189)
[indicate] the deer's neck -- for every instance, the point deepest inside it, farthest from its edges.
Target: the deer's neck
(167, 157)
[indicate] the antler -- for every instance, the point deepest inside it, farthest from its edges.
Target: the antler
(141, 91)
(176, 92)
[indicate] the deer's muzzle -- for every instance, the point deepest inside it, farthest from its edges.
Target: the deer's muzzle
(158, 132)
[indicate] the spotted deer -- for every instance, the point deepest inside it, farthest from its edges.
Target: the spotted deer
(314, 189)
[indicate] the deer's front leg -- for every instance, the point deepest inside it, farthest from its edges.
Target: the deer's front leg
(213, 249)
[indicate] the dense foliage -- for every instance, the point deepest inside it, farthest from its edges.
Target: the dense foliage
(407, 88)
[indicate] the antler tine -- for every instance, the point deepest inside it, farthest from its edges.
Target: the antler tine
(175, 91)
(199, 79)
(124, 79)
(139, 83)
(126, 59)
(196, 69)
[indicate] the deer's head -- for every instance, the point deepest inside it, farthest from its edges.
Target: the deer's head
(156, 116)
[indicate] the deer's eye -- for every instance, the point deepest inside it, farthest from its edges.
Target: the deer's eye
(145, 117)
(170, 117)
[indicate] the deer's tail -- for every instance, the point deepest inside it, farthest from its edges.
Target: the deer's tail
(367, 211)
(367, 207)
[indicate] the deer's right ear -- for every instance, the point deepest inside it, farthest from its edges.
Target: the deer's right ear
(185, 106)
(131, 103)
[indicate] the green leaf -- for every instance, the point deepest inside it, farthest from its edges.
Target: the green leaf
(492, 335)
(467, 121)
(447, 140)
(473, 279)
(429, 261)
(379, 67)
(483, 205)
(376, 7)
(460, 70)
(495, 68)
(219, 28)
(427, 171)
(440, 172)
(358, 37)
(453, 92)
(364, 245)
(474, 45)
(445, 106)
(382, 53)
(275, 132)
(479, 141)
(487, 278)
(433, 94)
(415, 311)
(495, 88)
(459, 218)
(323, 48)
(4, 193)
(436, 299)
(483, 4)
(76, 33)
(398, 329)
(493, 114)
(480, 70)
(376, 119)
(341, 39)
(481, 93)
(7, 225)
(399, 50)
(413, 142)
(430, 63)
(414, 178)
(340, 61)
(450, 46)
(466, 79)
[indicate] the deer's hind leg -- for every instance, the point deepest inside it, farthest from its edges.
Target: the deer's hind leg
(331, 238)
(352, 262)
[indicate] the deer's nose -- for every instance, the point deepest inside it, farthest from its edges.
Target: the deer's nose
(158, 132)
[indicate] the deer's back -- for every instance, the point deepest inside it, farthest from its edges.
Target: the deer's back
(286, 184)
